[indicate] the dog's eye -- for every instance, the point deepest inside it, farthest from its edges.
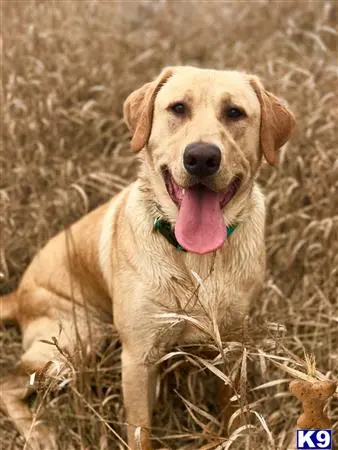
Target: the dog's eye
(178, 108)
(234, 113)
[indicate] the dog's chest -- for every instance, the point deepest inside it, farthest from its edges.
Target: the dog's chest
(202, 294)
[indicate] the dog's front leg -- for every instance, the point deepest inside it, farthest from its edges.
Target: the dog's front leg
(146, 335)
(138, 385)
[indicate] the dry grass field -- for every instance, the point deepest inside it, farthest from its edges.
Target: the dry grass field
(66, 68)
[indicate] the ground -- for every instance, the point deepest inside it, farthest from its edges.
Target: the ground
(66, 67)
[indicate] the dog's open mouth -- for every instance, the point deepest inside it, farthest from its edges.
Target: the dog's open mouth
(200, 226)
(176, 192)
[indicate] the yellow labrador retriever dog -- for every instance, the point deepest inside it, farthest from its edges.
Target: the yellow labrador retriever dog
(186, 240)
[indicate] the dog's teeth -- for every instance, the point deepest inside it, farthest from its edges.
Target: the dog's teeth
(32, 379)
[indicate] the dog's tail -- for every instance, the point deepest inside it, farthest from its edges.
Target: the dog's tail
(8, 307)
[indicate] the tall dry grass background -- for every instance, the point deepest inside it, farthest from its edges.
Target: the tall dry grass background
(67, 67)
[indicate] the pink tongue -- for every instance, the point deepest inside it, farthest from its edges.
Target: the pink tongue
(200, 227)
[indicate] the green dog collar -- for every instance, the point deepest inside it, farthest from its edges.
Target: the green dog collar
(166, 230)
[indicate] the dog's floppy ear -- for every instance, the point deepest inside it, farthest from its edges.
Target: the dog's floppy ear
(277, 122)
(138, 110)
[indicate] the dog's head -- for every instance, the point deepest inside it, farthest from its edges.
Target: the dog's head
(204, 133)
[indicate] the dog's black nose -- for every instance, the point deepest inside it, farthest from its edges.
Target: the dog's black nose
(201, 159)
